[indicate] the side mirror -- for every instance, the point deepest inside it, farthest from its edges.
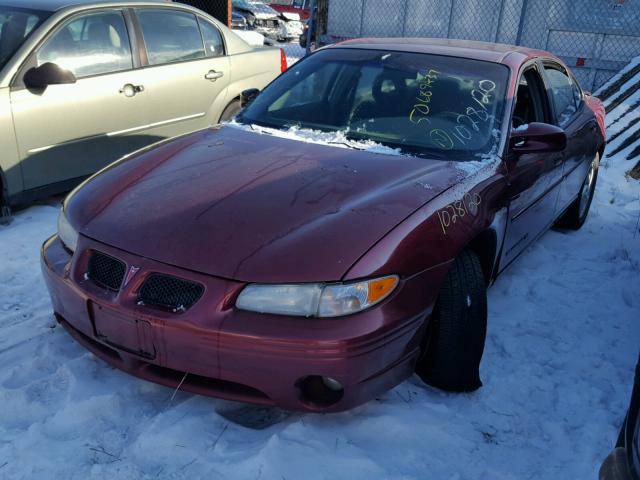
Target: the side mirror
(537, 138)
(47, 74)
(248, 96)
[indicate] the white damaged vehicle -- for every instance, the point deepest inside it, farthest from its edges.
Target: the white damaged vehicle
(260, 17)
(263, 19)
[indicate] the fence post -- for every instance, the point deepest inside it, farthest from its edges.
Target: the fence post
(495, 38)
(450, 19)
(313, 25)
(523, 12)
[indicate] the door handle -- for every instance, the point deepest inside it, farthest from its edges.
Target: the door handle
(130, 90)
(213, 75)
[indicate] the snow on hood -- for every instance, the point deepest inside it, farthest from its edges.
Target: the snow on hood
(334, 139)
(485, 164)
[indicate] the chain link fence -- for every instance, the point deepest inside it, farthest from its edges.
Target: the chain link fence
(594, 37)
(219, 9)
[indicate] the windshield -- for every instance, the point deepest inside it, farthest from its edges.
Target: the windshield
(425, 105)
(16, 24)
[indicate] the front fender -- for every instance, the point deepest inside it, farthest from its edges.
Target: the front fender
(437, 232)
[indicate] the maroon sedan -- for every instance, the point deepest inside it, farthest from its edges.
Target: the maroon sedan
(339, 235)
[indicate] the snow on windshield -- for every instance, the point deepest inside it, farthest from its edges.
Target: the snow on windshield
(335, 139)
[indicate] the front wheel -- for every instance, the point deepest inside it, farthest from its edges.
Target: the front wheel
(5, 210)
(457, 330)
(5, 214)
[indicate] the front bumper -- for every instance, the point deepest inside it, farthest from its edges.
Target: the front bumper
(291, 29)
(233, 354)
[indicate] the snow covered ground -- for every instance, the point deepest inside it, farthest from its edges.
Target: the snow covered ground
(564, 333)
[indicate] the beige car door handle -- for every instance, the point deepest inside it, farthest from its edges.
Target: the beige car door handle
(130, 90)
(213, 75)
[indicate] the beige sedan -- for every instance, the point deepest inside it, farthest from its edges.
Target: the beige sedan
(83, 83)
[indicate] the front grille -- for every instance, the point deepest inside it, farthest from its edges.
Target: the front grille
(105, 271)
(169, 292)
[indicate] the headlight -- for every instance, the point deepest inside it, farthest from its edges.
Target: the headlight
(66, 232)
(316, 299)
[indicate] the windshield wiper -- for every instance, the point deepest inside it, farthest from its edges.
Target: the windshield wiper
(349, 145)
(259, 129)
(406, 149)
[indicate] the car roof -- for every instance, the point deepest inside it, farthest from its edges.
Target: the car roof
(54, 5)
(490, 52)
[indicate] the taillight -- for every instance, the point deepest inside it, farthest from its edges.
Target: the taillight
(283, 60)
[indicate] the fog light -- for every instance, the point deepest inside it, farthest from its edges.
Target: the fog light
(332, 384)
(320, 391)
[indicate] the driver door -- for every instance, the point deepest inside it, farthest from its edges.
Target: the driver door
(534, 178)
(69, 131)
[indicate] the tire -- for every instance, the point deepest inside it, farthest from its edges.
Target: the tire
(457, 331)
(230, 111)
(576, 214)
(5, 213)
(5, 209)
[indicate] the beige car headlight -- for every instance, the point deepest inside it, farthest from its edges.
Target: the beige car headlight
(316, 299)
(67, 234)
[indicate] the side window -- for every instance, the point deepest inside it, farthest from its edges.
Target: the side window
(87, 45)
(565, 94)
(213, 44)
(528, 108)
(170, 36)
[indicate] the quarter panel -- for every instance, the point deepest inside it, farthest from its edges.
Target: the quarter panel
(255, 69)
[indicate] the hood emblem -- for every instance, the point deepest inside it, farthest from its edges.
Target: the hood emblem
(130, 274)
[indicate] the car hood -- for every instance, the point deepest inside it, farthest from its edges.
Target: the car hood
(254, 207)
